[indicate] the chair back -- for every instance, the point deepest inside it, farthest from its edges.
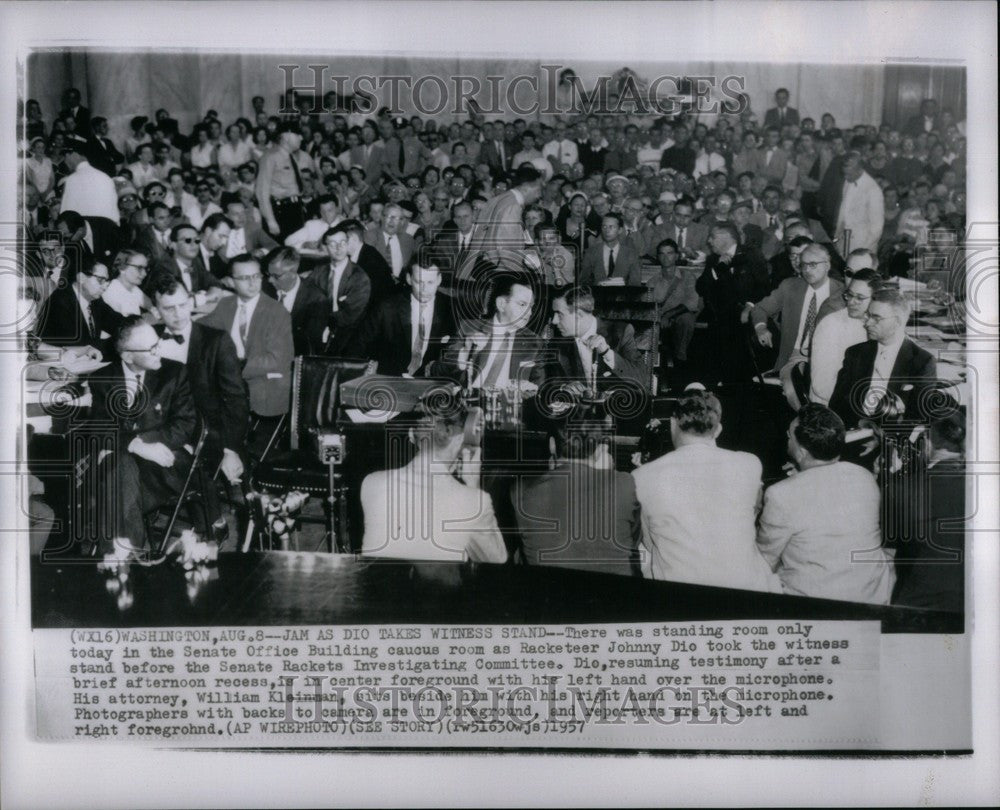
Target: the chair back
(316, 382)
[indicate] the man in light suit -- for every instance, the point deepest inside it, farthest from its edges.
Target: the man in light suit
(494, 152)
(773, 159)
(888, 374)
(610, 257)
(781, 115)
(499, 232)
(862, 208)
(688, 537)
(819, 530)
(369, 155)
(391, 241)
(798, 304)
(410, 330)
(421, 512)
(589, 340)
(345, 285)
(261, 330)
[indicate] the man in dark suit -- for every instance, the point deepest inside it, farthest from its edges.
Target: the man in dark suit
(98, 235)
(887, 375)
(410, 330)
(610, 257)
(926, 121)
(451, 248)
(368, 259)
(781, 115)
(345, 285)
(153, 240)
(76, 315)
(305, 302)
(72, 107)
(564, 516)
(214, 236)
(495, 152)
(591, 345)
(501, 350)
(188, 265)
(733, 280)
(144, 414)
(690, 237)
(104, 155)
(214, 372)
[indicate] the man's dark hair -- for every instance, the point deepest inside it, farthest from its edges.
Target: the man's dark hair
(175, 232)
(525, 175)
(869, 277)
(799, 241)
(348, 226)
(504, 285)
(125, 329)
(948, 430)
(213, 221)
(162, 284)
(729, 228)
(71, 219)
(667, 243)
(580, 438)
(323, 199)
(616, 217)
(284, 256)
(698, 412)
(820, 431)
(578, 298)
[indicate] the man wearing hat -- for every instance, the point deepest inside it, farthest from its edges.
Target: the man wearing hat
(88, 191)
(279, 184)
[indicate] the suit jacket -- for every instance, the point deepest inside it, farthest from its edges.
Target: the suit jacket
(164, 412)
(695, 237)
(386, 336)
(915, 125)
(498, 229)
(310, 315)
(913, 371)
(813, 543)
(725, 288)
(145, 242)
(61, 322)
(82, 118)
(373, 165)
(771, 118)
(562, 521)
(217, 386)
(627, 358)
(107, 239)
(201, 278)
(785, 306)
(379, 273)
(445, 253)
(267, 366)
(690, 539)
(375, 237)
(627, 265)
(490, 155)
(353, 300)
(774, 169)
(527, 352)
(104, 155)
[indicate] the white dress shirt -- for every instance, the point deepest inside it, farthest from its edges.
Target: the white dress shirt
(250, 306)
(197, 217)
(395, 253)
(833, 336)
(133, 382)
(142, 174)
(885, 359)
(564, 151)
(124, 301)
(172, 350)
(608, 250)
(501, 351)
(312, 231)
(237, 242)
(420, 312)
(287, 297)
(336, 276)
(862, 212)
(91, 193)
(821, 293)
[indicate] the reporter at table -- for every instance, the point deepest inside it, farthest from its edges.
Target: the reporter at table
(422, 511)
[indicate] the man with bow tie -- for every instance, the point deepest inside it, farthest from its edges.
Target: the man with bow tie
(142, 419)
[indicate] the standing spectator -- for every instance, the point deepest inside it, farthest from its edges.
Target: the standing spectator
(88, 191)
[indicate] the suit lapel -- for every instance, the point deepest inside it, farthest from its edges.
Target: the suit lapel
(901, 368)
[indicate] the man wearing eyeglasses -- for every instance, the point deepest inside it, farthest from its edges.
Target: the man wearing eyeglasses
(304, 302)
(147, 402)
(798, 305)
(77, 315)
(887, 374)
(261, 330)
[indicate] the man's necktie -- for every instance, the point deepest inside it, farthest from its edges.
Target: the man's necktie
(681, 233)
(417, 352)
(298, 176)
(499, 360)
(611, 262)
(281, 297)
(395, 254)
(810, 324)
(133, 392)
(244, 323)
(172, 336)
(89, 313)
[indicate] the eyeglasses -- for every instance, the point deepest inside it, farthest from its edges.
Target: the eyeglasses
(855, 297)
(253, 277)
(104, 281)
(876, 318)
(188, 240)
(154, 348)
